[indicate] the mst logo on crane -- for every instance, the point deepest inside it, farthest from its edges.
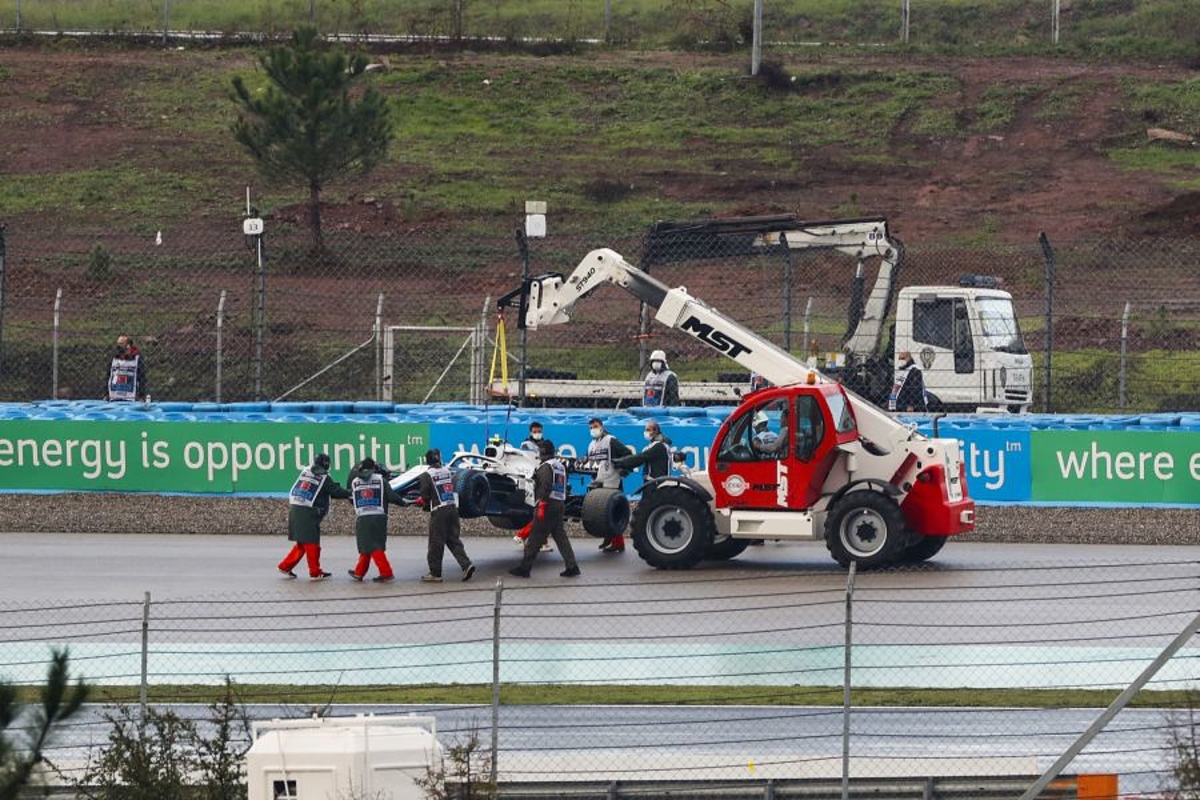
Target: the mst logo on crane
(716, 338)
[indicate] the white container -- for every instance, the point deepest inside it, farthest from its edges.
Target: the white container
(333, 757)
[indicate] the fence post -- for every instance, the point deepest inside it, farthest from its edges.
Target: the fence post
(18, 16)
(523, 246)
(807, 323)
(145, 653)
(849, 640)
(756, 38)
(220, 354)
(3, 249)
(1048, 253)
(480, 391)
(1055, 14)
(788, 279)
(379, 348)
(1124, 340)
(496, 676)
(54, 367)
(905, 18)
(260, 317)
(607, 21)
(166, 19)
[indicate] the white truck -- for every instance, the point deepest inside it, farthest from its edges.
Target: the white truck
(840, 469)
(965, 337)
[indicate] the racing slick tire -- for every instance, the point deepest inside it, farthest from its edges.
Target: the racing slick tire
(605, 512)
(474, 491)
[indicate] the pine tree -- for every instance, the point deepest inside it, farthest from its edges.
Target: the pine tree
(307, 125)
(60, 701)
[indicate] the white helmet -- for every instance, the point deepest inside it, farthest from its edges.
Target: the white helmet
(659, 355)
(760, 418)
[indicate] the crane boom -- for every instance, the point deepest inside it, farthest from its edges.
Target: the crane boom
(550, 300)
(861, 238)
(880, 492)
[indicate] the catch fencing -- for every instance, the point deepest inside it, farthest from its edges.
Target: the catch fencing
(709, 24)
(755, 676)
(1111, 326)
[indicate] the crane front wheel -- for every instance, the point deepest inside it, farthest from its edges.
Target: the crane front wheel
(673, 528)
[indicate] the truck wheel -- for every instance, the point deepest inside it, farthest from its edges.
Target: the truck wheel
(723, 551)
(673, 528)
(923, 549)
(605, 512)
(865, 527)
(473, 493)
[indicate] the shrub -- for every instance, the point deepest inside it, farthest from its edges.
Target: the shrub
(99, 265)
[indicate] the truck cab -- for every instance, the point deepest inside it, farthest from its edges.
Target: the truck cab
(969, 346)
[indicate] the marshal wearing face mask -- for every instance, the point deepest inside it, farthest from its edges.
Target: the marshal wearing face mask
(601, 452)
(908, 389)
(661, 387)
(655, 458)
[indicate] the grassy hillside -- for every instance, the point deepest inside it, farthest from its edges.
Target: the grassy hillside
(953, 147)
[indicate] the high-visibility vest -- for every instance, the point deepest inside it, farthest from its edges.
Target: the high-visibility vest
(122, 379)
(306, 488)
(655, 387)
(558, 480)
(443, 488)
(368, 495)
(600, 453)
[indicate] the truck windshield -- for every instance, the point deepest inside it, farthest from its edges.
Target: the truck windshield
(999, 322)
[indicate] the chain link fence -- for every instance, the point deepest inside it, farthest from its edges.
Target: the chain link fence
(711, 23)
(410, 317)
(754, 678)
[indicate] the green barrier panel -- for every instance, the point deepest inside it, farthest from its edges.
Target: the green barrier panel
(1116, 466)
(212, 458)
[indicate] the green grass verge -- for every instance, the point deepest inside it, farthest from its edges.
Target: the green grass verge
(464, 694)
(1088, 381)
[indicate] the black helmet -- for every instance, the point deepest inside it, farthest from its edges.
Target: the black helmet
(321, 461)
(433, 457)
(546, 449)
(368, 465)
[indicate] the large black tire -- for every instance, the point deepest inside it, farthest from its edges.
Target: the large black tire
(723, 551)
(866, 527)
(605, 513)
(923, 548)
(474, 491)
(673, 528)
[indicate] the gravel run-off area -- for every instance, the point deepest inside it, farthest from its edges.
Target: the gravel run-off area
(145, 513)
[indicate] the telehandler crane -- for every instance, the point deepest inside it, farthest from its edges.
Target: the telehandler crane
(839, 468)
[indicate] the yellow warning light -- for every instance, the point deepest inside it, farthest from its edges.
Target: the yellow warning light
(812, 379)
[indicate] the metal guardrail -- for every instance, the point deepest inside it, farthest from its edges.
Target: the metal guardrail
(1001, 787)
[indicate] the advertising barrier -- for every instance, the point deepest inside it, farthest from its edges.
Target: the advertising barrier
(189, 457)
(1012, 464)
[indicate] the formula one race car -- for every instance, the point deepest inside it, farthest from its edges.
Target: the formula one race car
(498, 484)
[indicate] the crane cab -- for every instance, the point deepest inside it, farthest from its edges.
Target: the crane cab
(773, 455)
